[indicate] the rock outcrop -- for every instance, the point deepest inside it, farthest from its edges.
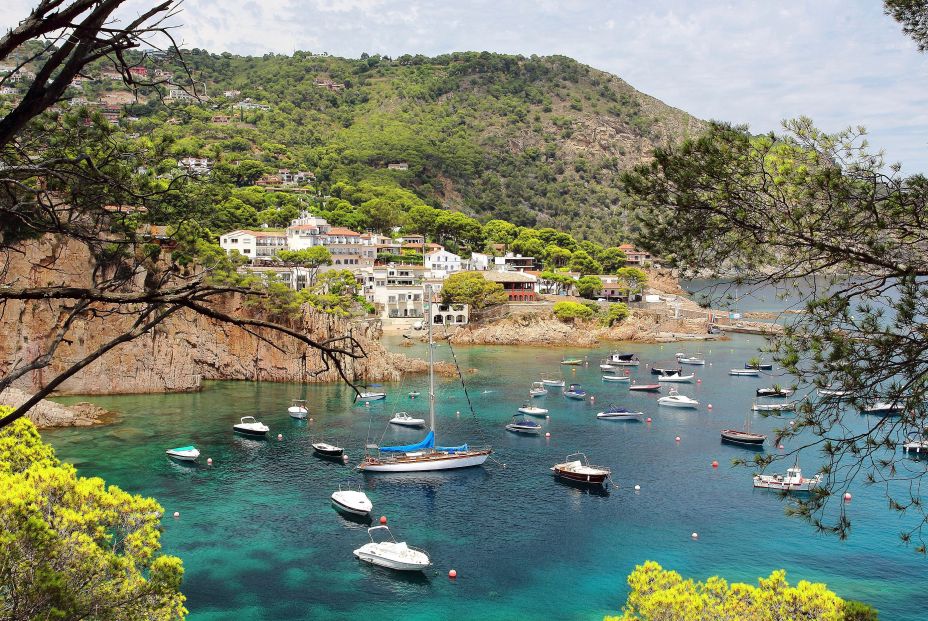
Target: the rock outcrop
(50, 414)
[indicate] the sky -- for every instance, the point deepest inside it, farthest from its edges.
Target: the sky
(841, 62)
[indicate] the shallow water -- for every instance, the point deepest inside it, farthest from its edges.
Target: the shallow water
(260, 540)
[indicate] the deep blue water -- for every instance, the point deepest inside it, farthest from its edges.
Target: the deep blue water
(260, 541)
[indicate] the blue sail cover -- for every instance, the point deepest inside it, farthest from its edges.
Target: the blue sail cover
(452, 449)
(427, 442)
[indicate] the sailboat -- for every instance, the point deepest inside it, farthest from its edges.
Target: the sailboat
(424, 456)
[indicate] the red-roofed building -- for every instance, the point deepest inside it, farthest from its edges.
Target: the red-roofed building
(633, 256)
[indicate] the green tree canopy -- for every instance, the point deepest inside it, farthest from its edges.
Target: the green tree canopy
(473, 289)
(633, 278)
(617, 313)
(572, 311)
(582, 262)
(589, 286)
(612, 259)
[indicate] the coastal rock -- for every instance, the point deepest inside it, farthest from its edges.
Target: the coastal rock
(50, 414)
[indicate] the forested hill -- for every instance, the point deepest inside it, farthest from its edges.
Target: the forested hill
(536, 141)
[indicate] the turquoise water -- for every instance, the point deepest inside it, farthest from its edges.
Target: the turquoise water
(260, 540)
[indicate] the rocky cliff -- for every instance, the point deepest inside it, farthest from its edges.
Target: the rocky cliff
(179, 353)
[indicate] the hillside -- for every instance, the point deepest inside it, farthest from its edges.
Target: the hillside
(536, 141)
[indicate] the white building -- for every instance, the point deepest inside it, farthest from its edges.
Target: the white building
(307, 231)
(480, 262)
(253, 244)
(196, 165)
(397, 292)
(442, 263)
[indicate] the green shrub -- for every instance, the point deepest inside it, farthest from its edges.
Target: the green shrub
(572, 311)
(617, 313)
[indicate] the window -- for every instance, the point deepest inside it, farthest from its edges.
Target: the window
(233, 241)
(460, 318)
(246, 251)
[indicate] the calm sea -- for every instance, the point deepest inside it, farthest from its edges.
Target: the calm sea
(260, 540)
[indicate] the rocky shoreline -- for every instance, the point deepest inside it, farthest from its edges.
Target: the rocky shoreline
(47, 413)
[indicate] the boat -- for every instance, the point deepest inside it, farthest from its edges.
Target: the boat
(550, 381)
(792, 481)
(520, 424)
(617, 378)
(745, 436)
(646, 387)
(696, 360)
(370, 396)
(762, 366)
(424, 456)
(414, 393)
(676, 400)
(788, 406)
(774, 392)
(250, 427)
(745, 372)
(183, 453)
(915, 443)
(298, 409)
(576, 468)
(623, 360)
(392, 554)
(833, 392)
(882, 407)
(607, 367)
(680, 379)
(403, 419)
(328, 450)
(352, 501)
(666, 370)
(575, 391)
(538, 390)
(572, 361)
(531, 410)
(618, 413)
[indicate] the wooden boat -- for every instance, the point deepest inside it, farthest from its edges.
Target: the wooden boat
(774, 392)
(617, 378)
(744, 372)
(646, 387)
(576, 468)
(788, 406)
(695, 360)
(183, 453)
(328, 450)
(607, 367)
(572, 361)
(575, 391)
(833, 392)
(370, 396)
(414, 393)
(742, 437)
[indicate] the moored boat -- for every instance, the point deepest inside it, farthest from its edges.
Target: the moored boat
(183, 453)
(520, 424)
(370, 396)
(742, 437)
(576, 468)
(617, 378)
(328, 450)
(248, 426)
(645, 387)
(607, 367)
(531, 410)
(403, 419)
(915, 443)
(833, 392)
(666, 369)
(351, 500)
(298, 409)
(792, 481)
(572, 361)
(676, 400)
(761, 366)
(694, 360)
(538, 390)
(619, 413)
(788, 406)
(552, 382)
(676, 377)
(882, 407)
(623, 360)
(744, 372)
(392, 554)
(575, 391)
(774, 392)
(414, 393)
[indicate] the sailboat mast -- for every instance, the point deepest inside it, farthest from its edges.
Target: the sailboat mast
(428, 306)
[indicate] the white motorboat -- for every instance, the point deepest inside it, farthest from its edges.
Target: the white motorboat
(676, 400)
(183, 453)
(680, 379)
(916, 443)
(531, 410)
(787, 406)
(617, 378)
(833, 392)
(392, 554)
(424, 456)
(370, 396)
(745, 372)
(554, 383)
(250, 427)
(414, 393)
(538, 390)
(352, 500)
(617, 413)
(403, 419)
(607, 367)
(695, 360)
(298, 409)
(520, 424)
(623, 360)
(882, 407)
(792, 481)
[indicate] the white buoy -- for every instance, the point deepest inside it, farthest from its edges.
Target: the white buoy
(209, 461)
(280, 436)
(367, 404)
(547, 434)
(177, 514)
(695, 535)
(637, 488)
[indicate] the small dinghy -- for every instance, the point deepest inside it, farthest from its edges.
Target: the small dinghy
(695, 360)
(743, 437)
(414, 393)
(576, 468)
(792, 481)
(680, 379)
(833, 392)
(676, 400)
(351, 500)
(882, 407)
(745, 372)
(403, 419)
(392, 554)
(645, 387)
(607, 367)
(575, 391)
(250, 427)
(520, 424)
(328, 450)
(555, 383)
(617, 413)
(531, 410)
(538, 390)
(371, 396)
(761, 366)
(572, 361)
(617, 378)
(183, 453)
(298, 409)
(788, 406)
(774, 392)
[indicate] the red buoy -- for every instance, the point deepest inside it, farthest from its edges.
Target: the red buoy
(677, 438)
(715, 464)
(383, 519)
(847, 496)
(547, 434)
(649, 419)
(709, 406)
(453, 574)
(209, 461)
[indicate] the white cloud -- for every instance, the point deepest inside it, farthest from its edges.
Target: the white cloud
(840, 62)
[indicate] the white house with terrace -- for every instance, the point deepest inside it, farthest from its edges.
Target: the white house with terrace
(442, 263)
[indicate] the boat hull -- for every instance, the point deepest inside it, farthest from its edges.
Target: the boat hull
(251, 433)
(588, 479)
(683, 379)
(646, 387)
(426, 464)
(529, 431)
(623, 416)
(183, 457)
(416, 422)
(677, 404)
(739, 437)
(329, 451)
(388, 563)
(553, 383)
(744, 372)
(345, 507)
